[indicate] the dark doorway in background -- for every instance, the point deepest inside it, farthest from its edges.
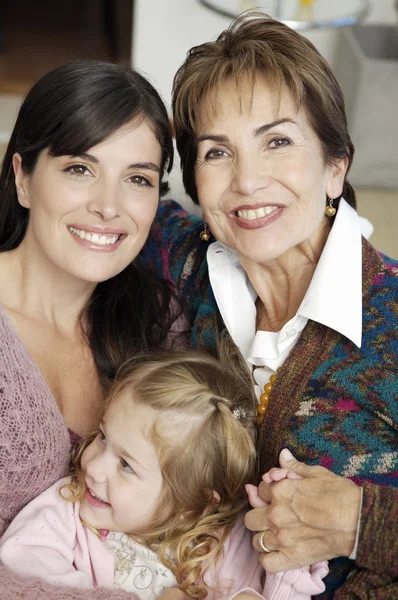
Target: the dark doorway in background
(36, 36)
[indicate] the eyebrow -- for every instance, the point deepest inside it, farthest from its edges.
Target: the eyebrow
(264, 128)
(221, 139)
(145, 165)
(140, 165)
(86, 156)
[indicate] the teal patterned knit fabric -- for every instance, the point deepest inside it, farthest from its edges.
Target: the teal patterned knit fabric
(332, 404)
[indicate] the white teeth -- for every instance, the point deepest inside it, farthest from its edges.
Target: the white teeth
(256, 213)
(96, 497)
(95, 238)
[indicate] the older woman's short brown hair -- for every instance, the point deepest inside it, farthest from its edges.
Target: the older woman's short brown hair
(256, 44)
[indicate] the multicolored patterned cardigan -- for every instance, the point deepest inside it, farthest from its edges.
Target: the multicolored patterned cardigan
(332, 403)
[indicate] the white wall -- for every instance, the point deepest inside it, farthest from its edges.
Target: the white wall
(163, 31)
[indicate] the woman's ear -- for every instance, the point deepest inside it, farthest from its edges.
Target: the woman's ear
(21, 181)
(337, 171)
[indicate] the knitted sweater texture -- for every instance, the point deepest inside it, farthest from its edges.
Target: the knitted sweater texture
(34, 453)
(332, 403)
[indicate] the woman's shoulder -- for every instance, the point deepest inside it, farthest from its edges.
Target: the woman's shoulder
(380, 272)
(175, 224)
(172, 212)
(390, 264)
(174, 243)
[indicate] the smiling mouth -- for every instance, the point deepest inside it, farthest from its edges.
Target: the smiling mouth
(105, 239)
(96, 497)
(255, 213)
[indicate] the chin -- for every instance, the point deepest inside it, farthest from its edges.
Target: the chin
(98, 275)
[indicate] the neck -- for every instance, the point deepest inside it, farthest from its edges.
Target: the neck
(281, 284)
(36, 288)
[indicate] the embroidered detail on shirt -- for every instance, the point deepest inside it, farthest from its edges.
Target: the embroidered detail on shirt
(138, 569)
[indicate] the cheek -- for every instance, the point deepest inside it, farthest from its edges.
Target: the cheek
(144, 213)
(211, 183)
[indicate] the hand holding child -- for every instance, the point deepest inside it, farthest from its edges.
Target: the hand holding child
(308, 579)
(310, 516)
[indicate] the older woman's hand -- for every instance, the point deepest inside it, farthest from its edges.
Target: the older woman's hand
(309, 516)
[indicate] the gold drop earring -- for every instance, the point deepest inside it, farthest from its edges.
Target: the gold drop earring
(205, 234)
(330, 210)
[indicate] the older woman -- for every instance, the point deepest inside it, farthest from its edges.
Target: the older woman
(262, 134)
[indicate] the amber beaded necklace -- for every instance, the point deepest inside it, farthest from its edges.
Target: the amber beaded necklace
(264, 399)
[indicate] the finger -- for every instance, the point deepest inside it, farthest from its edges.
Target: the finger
(256, 519)
(264, 491)
(254, 498)
(263, 539)
(267, 477)
(275, 474)
(293, 475)
(287, 461)
(277, 561)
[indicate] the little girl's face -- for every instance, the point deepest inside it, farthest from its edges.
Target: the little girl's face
(122, 470)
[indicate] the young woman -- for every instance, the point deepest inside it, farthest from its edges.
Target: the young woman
(79, 188)
(158, 489)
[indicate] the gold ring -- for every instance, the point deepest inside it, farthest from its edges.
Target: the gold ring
(261, 542)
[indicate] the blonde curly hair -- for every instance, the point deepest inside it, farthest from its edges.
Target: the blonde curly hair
(209, 400)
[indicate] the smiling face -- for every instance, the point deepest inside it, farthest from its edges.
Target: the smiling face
(122, 470)
(90, 215)
(260, 173)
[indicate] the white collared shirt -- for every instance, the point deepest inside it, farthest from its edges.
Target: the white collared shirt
(333, 298)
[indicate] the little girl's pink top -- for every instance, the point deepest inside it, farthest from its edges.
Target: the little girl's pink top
(47, 539)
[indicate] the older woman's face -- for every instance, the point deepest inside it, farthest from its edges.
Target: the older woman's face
(260, 173)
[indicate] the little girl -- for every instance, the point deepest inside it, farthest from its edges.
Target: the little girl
(156, 497)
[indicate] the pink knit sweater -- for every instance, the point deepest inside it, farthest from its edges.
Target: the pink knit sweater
(34, 453)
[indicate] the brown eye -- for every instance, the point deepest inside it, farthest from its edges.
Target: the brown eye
(77, 170)
(280, 142)
(215, 154)
(141, 181)
(126, 467)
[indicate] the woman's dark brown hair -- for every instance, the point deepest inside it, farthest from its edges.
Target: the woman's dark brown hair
(69, 110)
(255, 45)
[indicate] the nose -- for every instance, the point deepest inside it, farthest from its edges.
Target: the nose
(251, 174)
(97, 468)
(106, 201)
